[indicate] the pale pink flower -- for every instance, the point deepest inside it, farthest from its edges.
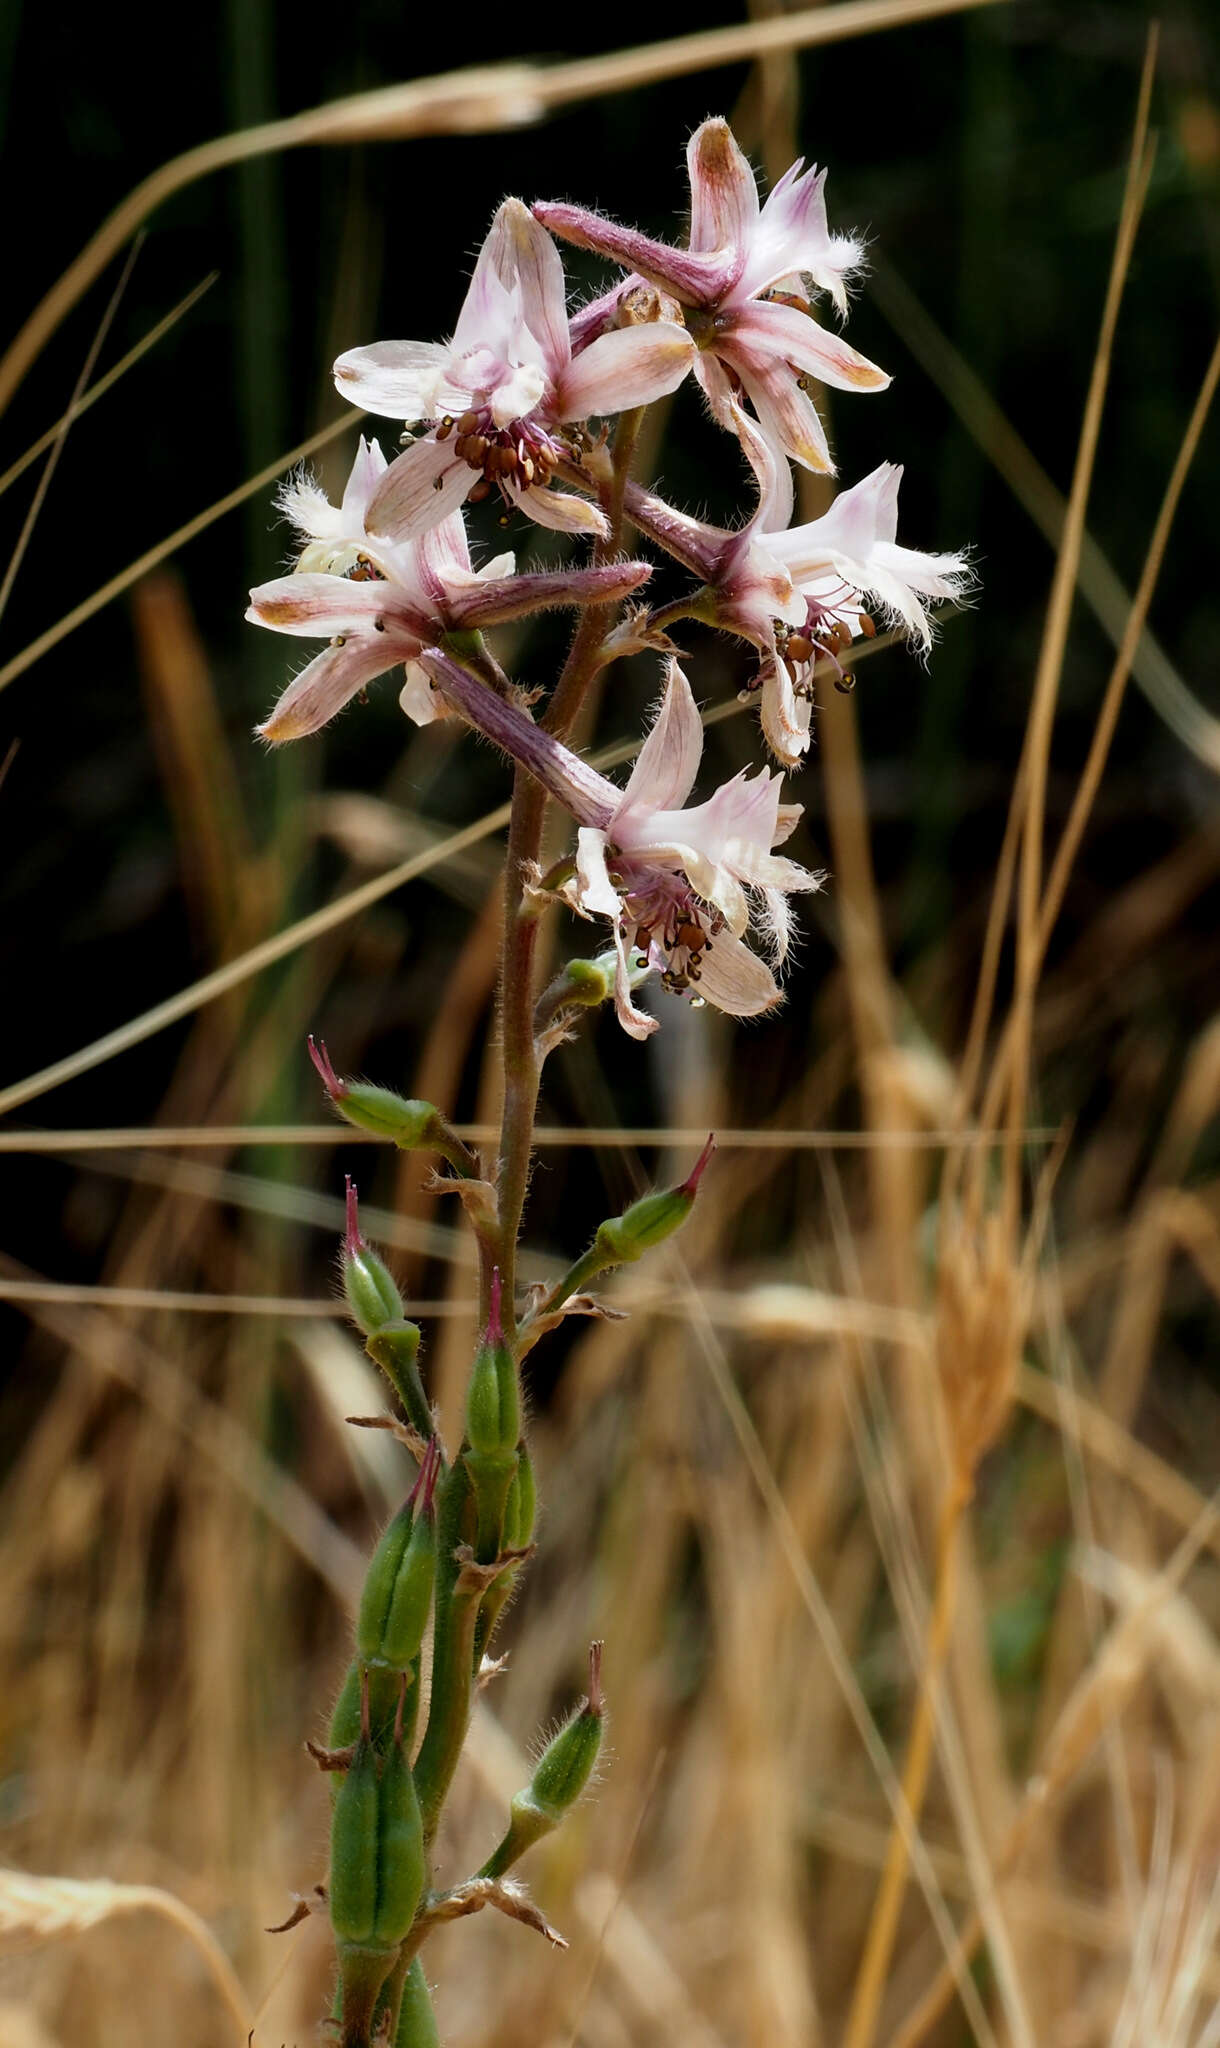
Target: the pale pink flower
(503, 389)
(742, 283)
(380, 604)
(801, 594)
(682, 886)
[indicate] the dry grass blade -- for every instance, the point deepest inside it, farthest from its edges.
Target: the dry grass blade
(38, 1909)
(96, 602)
(665, 1137)
(475, 101)
(1054, 641)
(61, 431)
(104, 384)
(1102, 590)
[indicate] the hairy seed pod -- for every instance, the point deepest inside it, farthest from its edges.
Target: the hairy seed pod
(401, 1868)
(560, 1776)
(416, 2019)
(398, 1590)
(622, 1239)
(353, 1850)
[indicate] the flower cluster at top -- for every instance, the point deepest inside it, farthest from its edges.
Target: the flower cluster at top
(502, 411)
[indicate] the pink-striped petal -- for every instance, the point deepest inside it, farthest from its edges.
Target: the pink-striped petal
(628, 367)
(788, 417)
(315, 604)
(397, 378)
(561, 511)
(735, 979)
(525, 254)
(422, 486)
(329, 682)
(723, 193)
(764, 329)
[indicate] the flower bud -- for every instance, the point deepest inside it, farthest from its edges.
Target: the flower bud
(493, 1401)
(369, 1286)
(650, 1220)
(409, 1125)
(560, 1775)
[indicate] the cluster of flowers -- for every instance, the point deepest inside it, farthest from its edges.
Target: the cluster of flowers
(502, 410)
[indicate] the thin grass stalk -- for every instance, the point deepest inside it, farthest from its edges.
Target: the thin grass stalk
(1050, 661)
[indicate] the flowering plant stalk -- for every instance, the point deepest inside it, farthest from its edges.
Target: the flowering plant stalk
(539, 411)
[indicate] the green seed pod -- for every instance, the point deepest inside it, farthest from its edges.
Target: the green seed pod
(407, 1124)
(527, 1500)
(398, 1590)
(560, 1776)
(372, 1295)
(353, 1848)
(416, 2019)
(401, 1868)
(651, 1220)
(566, 1764)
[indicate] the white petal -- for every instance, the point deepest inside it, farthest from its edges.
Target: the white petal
(785, 719)
(306, 506)
(668, 762)
(637, 1023)
(628, 367)
(523, 251)
(518, 395)
(419, 699)
(367, 471)
(561, 511)
(397, 378)
(597, 891)
(736, 980)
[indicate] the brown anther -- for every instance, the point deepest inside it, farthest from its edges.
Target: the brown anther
(445, 428)
(792, 299)
(841, 635)
(477, 446)
(507, 460)
(468, 422)
(481, 490)
(799, 647)
(691, 936)
(868, 626)
(462, 447)
(527, 469)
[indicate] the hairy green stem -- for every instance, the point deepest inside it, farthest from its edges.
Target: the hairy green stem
(452, 1655)
(522, 1066)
